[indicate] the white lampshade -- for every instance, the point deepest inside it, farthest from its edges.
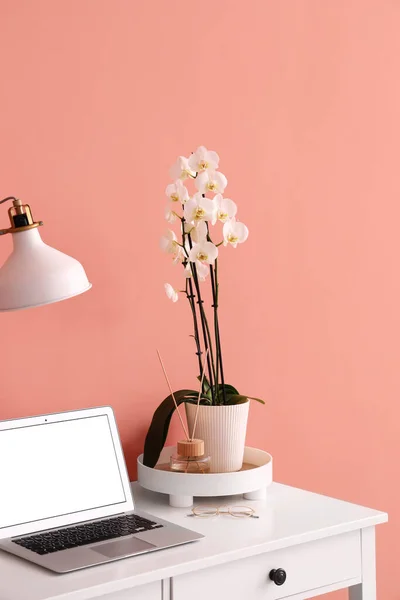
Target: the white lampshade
(35, 274)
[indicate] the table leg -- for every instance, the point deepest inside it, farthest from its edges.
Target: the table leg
(166, 589)
(366, 590)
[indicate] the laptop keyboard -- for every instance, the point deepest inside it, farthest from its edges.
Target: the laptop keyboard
(87, 533)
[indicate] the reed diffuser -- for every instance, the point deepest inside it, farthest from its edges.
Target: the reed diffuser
(190, 457)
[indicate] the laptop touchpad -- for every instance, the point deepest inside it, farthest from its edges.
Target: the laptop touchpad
(124, 547)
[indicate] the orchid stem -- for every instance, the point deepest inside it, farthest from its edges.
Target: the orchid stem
(191, 297)
(214, 285)
(208, 342)
(198, 398)
(206, 330)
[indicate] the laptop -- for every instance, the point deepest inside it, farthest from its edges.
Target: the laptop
(66, 501)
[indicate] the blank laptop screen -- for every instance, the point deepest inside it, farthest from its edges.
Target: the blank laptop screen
(57, 469)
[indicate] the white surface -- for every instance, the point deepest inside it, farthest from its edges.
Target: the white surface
(36, 274)
(151, 591)
(308, 567)
(223, 429)
(72, 462)
(288, 516)
(183, 486)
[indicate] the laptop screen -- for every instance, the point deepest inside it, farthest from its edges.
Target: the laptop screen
(58, 468)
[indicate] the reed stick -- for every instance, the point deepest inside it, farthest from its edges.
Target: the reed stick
(173, 396)
(198, 399)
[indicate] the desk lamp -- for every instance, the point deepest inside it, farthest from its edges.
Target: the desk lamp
(35, 273)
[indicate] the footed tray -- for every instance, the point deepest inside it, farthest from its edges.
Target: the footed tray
(251, 481)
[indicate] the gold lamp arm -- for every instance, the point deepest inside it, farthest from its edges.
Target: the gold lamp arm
(7, 199)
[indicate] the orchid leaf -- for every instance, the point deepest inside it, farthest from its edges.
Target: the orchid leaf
(241, 399)
(229, 390)
(236, 399)
(256, 399)
(206, 386)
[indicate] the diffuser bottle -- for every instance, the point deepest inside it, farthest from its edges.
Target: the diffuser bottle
(190, 458)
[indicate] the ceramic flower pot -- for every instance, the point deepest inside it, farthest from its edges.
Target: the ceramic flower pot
(223, 429)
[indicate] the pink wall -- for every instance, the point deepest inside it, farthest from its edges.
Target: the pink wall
(301, 99)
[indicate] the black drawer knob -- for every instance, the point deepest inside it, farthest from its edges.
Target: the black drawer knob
(278, 576)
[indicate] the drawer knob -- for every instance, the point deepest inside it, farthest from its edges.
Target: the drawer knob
(278, 576)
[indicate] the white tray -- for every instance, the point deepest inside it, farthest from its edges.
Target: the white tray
(252, 481)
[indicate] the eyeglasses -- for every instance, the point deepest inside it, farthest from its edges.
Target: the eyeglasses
(240, 512)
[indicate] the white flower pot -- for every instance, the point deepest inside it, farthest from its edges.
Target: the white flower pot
(223, 429)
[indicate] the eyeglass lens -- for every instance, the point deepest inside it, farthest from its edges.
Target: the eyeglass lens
(234, 511)
(240, 511)
(205, 511)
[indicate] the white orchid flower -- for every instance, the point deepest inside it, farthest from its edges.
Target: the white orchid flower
(169, 243)
(177, 192)
(171, 292)
(170, 215)
(179, 257)
(199, 232)
(188, 227)
(180, 169)
(200, 209)
(203, 160)
(211, 181)
(201, 269)
(234, 232)
(226, 208)
(204, 252)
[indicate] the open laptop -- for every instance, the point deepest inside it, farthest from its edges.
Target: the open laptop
(65, 500)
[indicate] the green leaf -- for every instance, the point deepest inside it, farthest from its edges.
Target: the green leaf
(158, 430)
(229, 390)
(206, 386)
(241, 399)
(256, 399)
(236, 399)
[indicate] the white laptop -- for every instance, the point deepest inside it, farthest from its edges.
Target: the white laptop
(65, 500)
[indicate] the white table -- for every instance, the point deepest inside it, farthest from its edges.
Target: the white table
(323, 545)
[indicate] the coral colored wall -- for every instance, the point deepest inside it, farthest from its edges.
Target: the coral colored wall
(301, 99)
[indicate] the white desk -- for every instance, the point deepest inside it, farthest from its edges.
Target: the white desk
(323, 545)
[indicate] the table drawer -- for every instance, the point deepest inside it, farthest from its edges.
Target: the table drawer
(308, 566)
(151, 591)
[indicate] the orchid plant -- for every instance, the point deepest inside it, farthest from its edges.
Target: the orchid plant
(195, 247)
